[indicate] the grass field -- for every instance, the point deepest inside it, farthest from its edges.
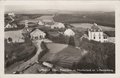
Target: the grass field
(85, 26)
(63, 55)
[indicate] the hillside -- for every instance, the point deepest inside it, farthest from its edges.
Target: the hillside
(101, 18)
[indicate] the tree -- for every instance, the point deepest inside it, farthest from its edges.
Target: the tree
(10, 39)
(71, 41)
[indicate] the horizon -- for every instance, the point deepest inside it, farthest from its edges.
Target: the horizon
(61, 6)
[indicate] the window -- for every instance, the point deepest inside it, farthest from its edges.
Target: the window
(36, 38)
(105, 37)
(99, 37)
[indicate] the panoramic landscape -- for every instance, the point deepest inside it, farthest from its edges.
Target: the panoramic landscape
(55, 41)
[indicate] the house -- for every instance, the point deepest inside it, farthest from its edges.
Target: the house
(95, 33)
(40, 23)
(8, 26)
(11, 25)
(58, 25)
(69, 32)
(11, 14)
(37, 34)
(47, 20)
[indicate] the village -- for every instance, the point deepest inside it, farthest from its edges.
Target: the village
(43, 45)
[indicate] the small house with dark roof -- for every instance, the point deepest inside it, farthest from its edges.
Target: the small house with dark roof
(95, 33)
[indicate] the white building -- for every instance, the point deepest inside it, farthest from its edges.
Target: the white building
(40, 23)
(58, 25)
(12, 25)
(11, 14)
(47, 20)
(69, 32)
(8, 26)
(37, 34)
(95, 33)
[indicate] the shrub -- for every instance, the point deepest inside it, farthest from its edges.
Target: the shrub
(71, 41)
(44, 50)
(100, 55)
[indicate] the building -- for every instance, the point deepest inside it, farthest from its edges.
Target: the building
(11, 25)
(11, 14)
(58, 25)
(40, 23)
(37, 34)
(26, 29)
(47, 20)
(69, 32)
(95, 33)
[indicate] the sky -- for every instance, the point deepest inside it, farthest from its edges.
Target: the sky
(61, 5)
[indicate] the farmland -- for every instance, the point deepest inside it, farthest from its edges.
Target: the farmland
(85, 26)
(27, 55)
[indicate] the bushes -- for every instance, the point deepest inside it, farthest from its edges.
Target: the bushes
(59, 39)
(71, 41)
(100, 55)
(18, 53)
(44, 50)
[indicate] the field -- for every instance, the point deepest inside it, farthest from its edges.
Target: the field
(101, 18)
(85, 26)
(15, 35)
(63, 55)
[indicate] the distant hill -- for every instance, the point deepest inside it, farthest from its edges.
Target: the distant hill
(101, 18)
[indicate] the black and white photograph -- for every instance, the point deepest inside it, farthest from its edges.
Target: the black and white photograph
(60, 38)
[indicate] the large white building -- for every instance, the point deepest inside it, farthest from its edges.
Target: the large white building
(95, 33)
(37, 34)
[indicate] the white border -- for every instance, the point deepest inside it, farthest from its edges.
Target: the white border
(2, 75)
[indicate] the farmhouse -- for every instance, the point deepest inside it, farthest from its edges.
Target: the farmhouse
(69, 32)
(58, 25)
(47, 20)
(8, 26)
(37, 34)
(11, 25)
(95, 33)
(40, 23)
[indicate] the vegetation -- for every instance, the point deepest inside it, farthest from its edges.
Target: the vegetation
(100, 56)
(110, 33)
(15, 52)
(71, 41)
(105, 19)
(44, 50)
